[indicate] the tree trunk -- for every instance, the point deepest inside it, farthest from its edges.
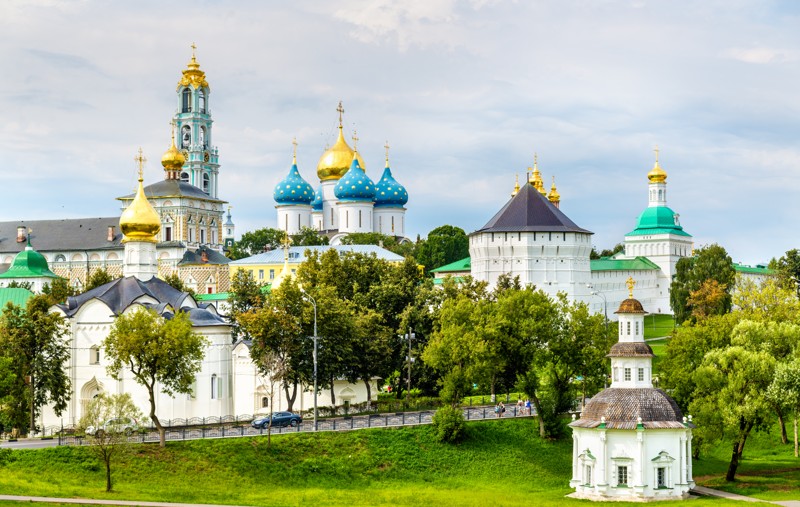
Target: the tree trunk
(33, 413)
(162, 434)
(333, 396)
(743, 439)
(290, 399)
(784, 436)
(795, 435)
(369, 393)
(108, 474)
(734, 464)
(538, 405)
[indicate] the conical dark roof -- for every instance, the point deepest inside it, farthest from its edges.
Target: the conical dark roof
(530, 211)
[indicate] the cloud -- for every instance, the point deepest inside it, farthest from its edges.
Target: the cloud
(761, 55)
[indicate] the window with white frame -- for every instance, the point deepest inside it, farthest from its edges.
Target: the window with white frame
(628, 327)
(641, 375)
(662, 465)
(627, 374)
(94, 355)
(214, 386)
(622, 475)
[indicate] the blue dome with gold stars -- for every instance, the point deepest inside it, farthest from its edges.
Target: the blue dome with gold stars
(388, 192)
(316, 204)
(293, 189)
(355, 185)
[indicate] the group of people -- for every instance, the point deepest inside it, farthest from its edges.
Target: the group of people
(523, 408)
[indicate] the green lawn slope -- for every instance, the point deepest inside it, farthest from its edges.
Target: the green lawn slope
(502, 462)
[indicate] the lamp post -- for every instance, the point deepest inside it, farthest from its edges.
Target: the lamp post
(314, 303)
(605, 303)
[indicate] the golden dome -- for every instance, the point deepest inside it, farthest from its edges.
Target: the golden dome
(139, 221)
(535, 178)
(657, 175)
(173, 159)
(336, 160)
(554, 196)
(192, 75)
(516, 186)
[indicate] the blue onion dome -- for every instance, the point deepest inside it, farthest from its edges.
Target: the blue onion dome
(293, 189)
(355, 185)
(316, 204)
(388, 192)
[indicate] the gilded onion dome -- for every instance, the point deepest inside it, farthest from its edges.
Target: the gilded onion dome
(516, 186)
(173, 160)
(316, 204)
(335, 162)
(535, 178)
(657, 175)
(388, 192)
(192, 75)
(140, 221)
(553, 196)
(355, 185)
(293, 189)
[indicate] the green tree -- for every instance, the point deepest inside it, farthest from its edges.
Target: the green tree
(20, 285)
(245, 295)
(785, 391)
(788, 269)
(619, 247)
(443, 245)
(176, 283)
(58, 290)
(710, 262)
(254, 242)
(97, 278)
(34, 340)
(309, 237)
(108, 443)
(156, 351)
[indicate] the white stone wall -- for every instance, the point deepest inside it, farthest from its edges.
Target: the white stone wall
(389, 221)
(355, 217)
(292, 218)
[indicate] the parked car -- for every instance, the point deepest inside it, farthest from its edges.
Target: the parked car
(279, 419)
(118, 425)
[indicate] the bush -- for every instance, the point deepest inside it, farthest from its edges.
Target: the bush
(449, 425)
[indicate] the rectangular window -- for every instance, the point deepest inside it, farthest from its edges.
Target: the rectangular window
(588, 475)
(167, 233)
(271, 274)
(616, 374)
(260, 274)
(628, 327)
(622, 476)
(202, 235)
(641, 374)
(627, 374)
(359, 219)
(661, 477)
(636, 328)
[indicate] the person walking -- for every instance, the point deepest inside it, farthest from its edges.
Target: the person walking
(528, 406)
(502, 409)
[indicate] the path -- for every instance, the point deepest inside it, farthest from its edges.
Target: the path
(702, 490)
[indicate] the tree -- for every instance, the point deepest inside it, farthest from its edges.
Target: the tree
(785, 390)
(405, 248)
(273, 369)
(245, 295)
(33, 339)
(710, 262)
(254, 242)
(309, 237)
(156, 351)
(788, 269)
(176, 283)
(619, 247)
(97, 278)
(443, 245)
(709, 299)
(58, 290)
(20, 285)
(107, 443)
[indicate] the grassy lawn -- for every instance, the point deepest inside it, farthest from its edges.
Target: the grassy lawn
(501, 463)
(656, 326)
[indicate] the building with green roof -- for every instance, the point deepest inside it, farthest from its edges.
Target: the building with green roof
(28, 266)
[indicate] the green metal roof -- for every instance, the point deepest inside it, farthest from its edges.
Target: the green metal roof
(611, 264)
(217, 296)
(658, 220)
(28, 264)
(17, 296)
(755, 270)
(462, 265)
(440, 281)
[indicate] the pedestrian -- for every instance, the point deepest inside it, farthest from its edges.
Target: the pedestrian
(502, 409)
(528, 406)
(497, 410)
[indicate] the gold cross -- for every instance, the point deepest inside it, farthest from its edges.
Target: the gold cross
(535, 160)
(355, 140)
(294, 150)
(656, 151)
(341, 112)
(194, 47)
(387, 153)
(631, 283)
(140, 159)
(172, 124)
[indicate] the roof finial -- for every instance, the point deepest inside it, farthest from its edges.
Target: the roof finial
(516, 185)
(355, 140)
(535, 160)
(294, 151)
(656, 152)
(172, 131)
(387, 153)
(194, 48)
(286, 242)
(631, 283)
(140, 160)
(341, 112)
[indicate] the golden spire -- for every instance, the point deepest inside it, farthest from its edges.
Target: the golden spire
(192, 75)
(657, 175)
(387, 153)
(554, 196)
(139, 221)
(294, 151)
(173, 159)
(536, 176)
(631, 283)
(336, 161)
(516, 186)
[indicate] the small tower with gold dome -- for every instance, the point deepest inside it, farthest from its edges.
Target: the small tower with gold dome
(553, 196)
(140, 224)
(658, 184)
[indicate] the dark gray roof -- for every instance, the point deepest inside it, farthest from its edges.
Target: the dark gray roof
(62, 235)
(174, 188)
(196, 257)
(622, 407)
(119, 294)
(631, 349)
(530, 211)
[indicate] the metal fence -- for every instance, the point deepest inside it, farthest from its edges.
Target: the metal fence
(228, 427)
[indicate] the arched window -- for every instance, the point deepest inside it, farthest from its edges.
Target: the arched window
(203, 140)
(206, 183)
(60, 258)
(201, 98)
(186, 136)
(214, 382)
(186, 102)
(185, 177)
(264, 402)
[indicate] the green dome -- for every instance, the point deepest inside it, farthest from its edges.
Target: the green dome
(29, 264)
(658, 220)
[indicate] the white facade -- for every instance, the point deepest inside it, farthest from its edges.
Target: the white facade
(140, 260)
(355, 217)
(292, 217)
(389, 221)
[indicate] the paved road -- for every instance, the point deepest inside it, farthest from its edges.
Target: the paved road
(29, 443)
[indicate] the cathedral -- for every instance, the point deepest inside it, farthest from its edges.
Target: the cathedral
(346, 201)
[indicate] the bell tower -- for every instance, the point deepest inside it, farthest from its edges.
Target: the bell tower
(193, 122)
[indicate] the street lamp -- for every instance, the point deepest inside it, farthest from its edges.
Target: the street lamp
(314, 303)
(605, 302)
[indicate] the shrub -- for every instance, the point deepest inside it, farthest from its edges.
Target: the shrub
(449, 425)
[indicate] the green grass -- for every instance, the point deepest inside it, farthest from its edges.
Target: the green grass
(656, 326)
(502, 462)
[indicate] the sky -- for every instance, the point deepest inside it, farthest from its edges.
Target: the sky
(465, 92)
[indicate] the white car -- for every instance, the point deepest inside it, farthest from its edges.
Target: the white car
(118, 425)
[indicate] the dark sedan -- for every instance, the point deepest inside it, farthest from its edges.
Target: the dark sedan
(279, 419)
